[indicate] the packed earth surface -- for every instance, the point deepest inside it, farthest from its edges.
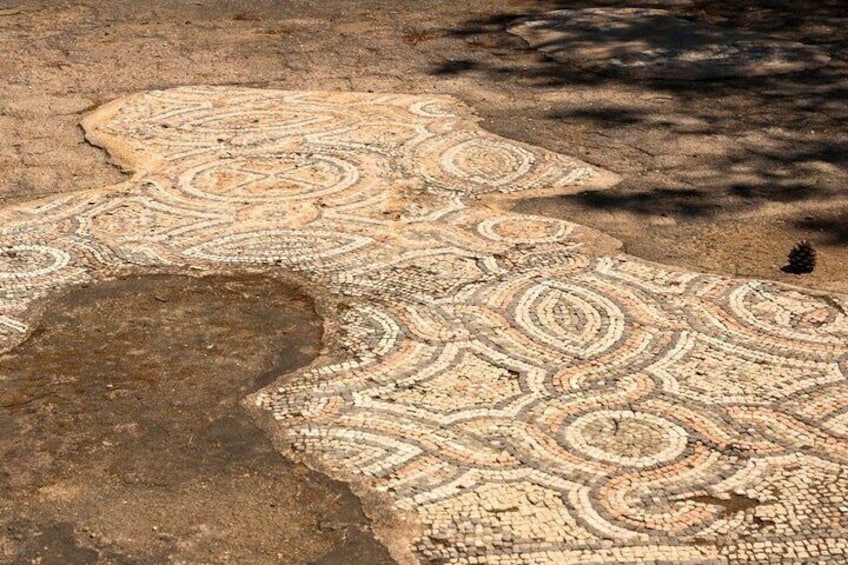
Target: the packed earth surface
(125, 441)
(388, 284)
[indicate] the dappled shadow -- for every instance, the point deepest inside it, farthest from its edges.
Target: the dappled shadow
(792, 192)
(778, 138)
(455, 67)
(764, 16)
(833, 224)
(611, 115)
(661, 201)
(688, 203)
(645, 44)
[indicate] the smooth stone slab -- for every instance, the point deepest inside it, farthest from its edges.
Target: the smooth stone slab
(651, 43)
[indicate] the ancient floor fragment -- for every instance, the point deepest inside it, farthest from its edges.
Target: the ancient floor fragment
(652, 43)
(523, 398)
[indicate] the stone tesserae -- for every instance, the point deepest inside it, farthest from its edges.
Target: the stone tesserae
(510, 386)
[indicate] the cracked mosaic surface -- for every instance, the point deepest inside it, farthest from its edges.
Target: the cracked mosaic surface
(523, 398)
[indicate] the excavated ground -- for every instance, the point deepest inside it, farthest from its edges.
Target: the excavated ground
(124, 440)
(718, 176)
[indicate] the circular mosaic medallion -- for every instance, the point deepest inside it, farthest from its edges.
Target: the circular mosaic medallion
(521, 229)
(30, 261)
(286, 176)
(635, 439)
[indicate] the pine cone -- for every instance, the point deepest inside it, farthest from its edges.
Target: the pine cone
(802, 258)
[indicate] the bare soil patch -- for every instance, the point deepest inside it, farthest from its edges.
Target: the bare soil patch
(125, 442)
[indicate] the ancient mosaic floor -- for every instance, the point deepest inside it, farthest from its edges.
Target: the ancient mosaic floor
(518, 396)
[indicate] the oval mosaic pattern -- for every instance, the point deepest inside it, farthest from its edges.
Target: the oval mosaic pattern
(518, 397)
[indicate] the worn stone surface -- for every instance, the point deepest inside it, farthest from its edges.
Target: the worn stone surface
(653, 43)
(521, 393)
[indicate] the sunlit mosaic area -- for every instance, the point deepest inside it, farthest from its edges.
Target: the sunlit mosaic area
(517, 395)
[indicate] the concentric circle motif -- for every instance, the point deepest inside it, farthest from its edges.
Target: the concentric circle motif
(570, 318)
(633, 439)
(487, 161)
(30, 261)
(288, 176)
(524, 229)
(319, 249)
(431, 109)
(270, 120)
(788, 314)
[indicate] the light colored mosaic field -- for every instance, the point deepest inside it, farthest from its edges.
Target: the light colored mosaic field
(518, 397)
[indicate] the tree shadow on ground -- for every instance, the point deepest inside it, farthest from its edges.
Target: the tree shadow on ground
(833, 224)
(789, 129)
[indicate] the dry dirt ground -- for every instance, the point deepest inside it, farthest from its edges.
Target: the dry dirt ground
(718, 176)
(124, 440)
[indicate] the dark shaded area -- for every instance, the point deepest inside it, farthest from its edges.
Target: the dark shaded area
(608, 115)
(732, 504)
(55, 544)
(787, 131)
(834, 224)
(768, 15)
(454, 67)
(125, 442)
(763, 16)
(657, 44)
(663, 201)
